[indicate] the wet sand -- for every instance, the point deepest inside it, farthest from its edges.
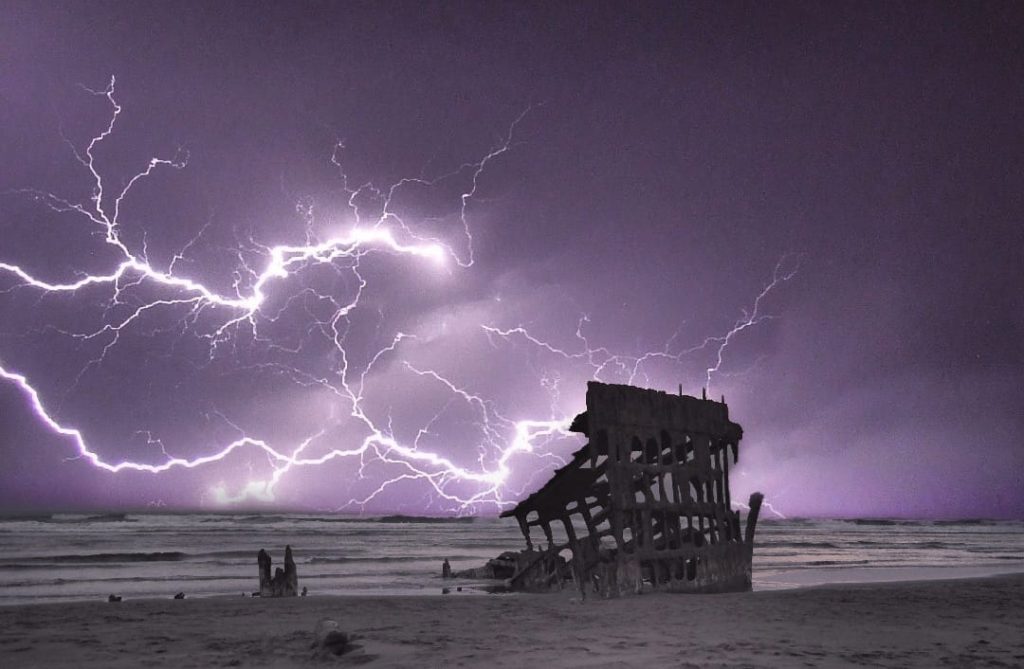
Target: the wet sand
(963, 623)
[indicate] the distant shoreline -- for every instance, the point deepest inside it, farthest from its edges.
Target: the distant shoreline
(470, 588)
(88, 557)
(100, 515)
(960, 622)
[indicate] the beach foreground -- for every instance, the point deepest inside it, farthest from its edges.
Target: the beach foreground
(973, 622)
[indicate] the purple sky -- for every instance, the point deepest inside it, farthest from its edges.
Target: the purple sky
(669, 160)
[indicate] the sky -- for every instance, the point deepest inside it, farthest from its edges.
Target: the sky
(384, 246)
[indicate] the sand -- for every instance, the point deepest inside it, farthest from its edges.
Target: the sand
(964, 623)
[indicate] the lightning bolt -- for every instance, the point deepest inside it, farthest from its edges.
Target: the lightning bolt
(750, 317)
(604, 364)
(503, 439)
(764, 505)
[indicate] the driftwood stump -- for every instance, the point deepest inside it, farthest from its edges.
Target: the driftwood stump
(285, 582)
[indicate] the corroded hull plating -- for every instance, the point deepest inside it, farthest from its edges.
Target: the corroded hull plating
(652, 490)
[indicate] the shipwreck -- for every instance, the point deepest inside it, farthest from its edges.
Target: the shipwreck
(644, 505)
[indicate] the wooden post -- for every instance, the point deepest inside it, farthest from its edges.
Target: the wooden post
(546, 526)
(524, 527)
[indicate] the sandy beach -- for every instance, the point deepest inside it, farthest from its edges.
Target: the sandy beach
(962, 623)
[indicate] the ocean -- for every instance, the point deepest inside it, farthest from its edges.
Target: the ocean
(80, 557)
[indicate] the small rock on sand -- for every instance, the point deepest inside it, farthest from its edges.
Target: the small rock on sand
(330, 639)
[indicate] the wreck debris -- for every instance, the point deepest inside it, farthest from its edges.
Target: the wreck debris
(645, 504)
(285, 582)
(502, 567)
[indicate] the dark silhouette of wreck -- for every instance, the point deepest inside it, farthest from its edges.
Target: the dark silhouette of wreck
(651, 489)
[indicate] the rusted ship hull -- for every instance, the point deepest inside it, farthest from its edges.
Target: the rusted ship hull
(651, 489)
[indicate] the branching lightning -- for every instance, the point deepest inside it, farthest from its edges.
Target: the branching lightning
(603, 362)
(247, 308)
